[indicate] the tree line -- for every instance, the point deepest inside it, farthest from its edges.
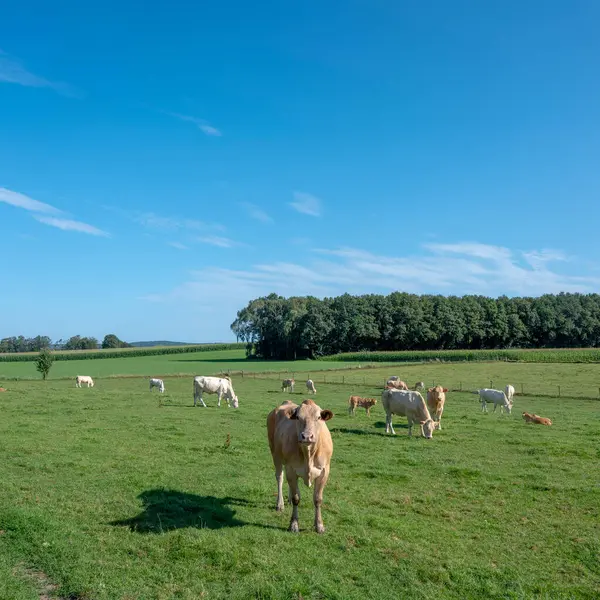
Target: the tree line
(76, 342)
(275, 327)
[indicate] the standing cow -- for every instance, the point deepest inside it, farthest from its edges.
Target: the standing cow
(397, 384)
(84, 379)
(498, 397)
(215, 385)
(158, 383)
(300, 440)
(409, 404)
(366, 403)
(509, 390)
(436, 398)
(288, 384)
(310, 386)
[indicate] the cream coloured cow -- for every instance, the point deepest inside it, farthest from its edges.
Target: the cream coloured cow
(397, 384)
(158, 383)
(215, 385)
(420, 385)
(288, 384)
(436, 398)
(84, 379)
(409, 404)
(300, 440)
(498, 397)
(310, 386)
(509, 390)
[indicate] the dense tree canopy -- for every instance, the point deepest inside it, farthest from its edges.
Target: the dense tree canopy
(275, 327)
(112, 341)
(23, 344)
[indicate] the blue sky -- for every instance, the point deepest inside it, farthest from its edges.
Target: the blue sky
(162, 165)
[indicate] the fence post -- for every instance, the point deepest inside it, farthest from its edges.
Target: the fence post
(364, 381)
(324, 378)
(461, 386)
(242, 374)
(491, 384)
(522, 392)
(559, 391)
(343, 379)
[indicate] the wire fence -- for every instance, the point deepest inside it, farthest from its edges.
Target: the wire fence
(542, 389)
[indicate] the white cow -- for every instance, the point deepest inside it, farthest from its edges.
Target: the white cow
(288, 384)
(159, 383)
(498, 397)
(215, 385)
(310, 386)
(84, 379)
(509, 390)
(409, 404)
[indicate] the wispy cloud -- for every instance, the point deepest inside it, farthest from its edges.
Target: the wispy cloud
(201, 124)
(12, 71)
(306, 204)
(36, 207)
(69, 225)
(256, 212)
(446, 269)
(216, 240)
(178, 245)
(22, 201)
(170, 223)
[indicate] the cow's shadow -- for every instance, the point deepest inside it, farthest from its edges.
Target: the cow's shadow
(378, 425)
(165, 510)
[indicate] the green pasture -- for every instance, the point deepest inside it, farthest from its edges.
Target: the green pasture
(196, 363)
(118, 493)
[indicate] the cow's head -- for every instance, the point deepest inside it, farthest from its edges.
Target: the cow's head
(428, 427)
(234, 401)
(308, 417)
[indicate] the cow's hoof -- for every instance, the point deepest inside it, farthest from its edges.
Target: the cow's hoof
(294, 527)
(320, 528)
(279, 508)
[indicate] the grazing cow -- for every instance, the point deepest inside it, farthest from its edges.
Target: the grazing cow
(366, 403)
(498, 397)
(310, 386)
(536, 419)
(396, 384)
(409, 404)
(215, 385)
(393, 378)
(159, 383)
(84, 379)
(300, 440)
(436, 398)
(420, 385)
(288, 384)
(509, 390)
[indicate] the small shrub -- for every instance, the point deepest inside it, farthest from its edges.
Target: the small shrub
(43, 363)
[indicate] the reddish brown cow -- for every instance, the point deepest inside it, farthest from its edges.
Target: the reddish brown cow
(536, 419)
(366, 403)
(436, 398)
(300, 440)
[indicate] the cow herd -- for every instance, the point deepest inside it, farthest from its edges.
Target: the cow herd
(301, 444)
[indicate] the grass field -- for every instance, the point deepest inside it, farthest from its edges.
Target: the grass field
(198, 363)
(109, 495)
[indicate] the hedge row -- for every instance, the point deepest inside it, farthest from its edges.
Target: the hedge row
(122, 352)
(549, 355)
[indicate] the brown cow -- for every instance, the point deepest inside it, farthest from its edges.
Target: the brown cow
(436, 398)
(536, 419)
(300, 440)
(396, 384)
(366, 403)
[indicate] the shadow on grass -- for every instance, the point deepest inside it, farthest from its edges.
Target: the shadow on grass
(165, 510)
(380, 425)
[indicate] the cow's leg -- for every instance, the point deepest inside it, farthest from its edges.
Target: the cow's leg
(320, 483)
(279, 479)
(368, 411)
(495, 407)
(201, 401)
(292, 480)
(410, 424)
(388, 425)
(439, 419)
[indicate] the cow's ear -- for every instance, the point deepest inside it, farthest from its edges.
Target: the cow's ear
(293, 413)
(445, 389)
(430, 390)
(326, 415)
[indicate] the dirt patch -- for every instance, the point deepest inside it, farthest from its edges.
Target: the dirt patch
(40, 580)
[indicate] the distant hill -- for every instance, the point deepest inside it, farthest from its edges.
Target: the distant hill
(159, 343)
